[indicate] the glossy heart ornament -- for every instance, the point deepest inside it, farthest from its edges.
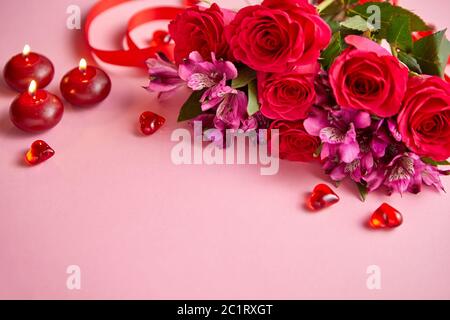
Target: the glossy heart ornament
(150, 122)
(385, 217)
(321, 197)
(39, 152)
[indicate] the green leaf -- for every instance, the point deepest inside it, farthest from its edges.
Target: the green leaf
(399, 33)
(333, 50)
(192, 107)
(246, 75)
(334, 25)
(376, 118)
(431, 52)
(410, 62)
(363, 191)
(357, 23)
(388, 14)
(253, 105)
(436, 163)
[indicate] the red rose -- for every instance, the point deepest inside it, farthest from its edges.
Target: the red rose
(278, 35)
(287, 96)
(295, 143)
(367, 77)
(200, 29)
(424, 121)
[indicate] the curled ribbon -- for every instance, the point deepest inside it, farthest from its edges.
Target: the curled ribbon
(133, 56)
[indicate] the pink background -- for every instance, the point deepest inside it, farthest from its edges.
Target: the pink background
(112, 202)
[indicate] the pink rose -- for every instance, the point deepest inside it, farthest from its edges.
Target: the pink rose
(287, 96)
(424, 121)
(278, 35)
(200, 29)
(295, 143)
(367, 77)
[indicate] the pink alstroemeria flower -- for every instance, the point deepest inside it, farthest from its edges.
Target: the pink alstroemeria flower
(406, 173)
(337, 130)
(163, 75)
(231, 112)
(211, 75)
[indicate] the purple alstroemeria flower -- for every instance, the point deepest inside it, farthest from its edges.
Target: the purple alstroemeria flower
(400, 173)
(200, 74)
(407, 172)
(354, 144)
(197, 74)
(216, 94)
(375, 140)
(231, 112)
(163, 75)
(339, 171)
(337, 130)
(211, 75)
(372, 145)
(431, 177)
(385, 146)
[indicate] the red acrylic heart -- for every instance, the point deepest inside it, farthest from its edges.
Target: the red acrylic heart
(150, 122)
(321, 197)
(386, 217)
(39, 152)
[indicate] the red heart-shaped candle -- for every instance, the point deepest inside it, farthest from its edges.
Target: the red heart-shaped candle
(39, 152)
(150, 122)
(386, 217)
(322, 197)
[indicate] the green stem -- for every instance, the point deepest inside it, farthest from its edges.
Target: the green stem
(324, 5)
(394, 51)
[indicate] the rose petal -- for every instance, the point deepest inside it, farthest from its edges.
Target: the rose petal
(365, 44)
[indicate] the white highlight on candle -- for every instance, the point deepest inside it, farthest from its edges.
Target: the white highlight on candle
(32, 87)
(26, 50)
(83, 65)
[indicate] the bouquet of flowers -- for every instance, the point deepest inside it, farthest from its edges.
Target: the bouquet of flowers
(355, 85)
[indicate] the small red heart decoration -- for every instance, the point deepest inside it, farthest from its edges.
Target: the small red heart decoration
(385, 217)
(150, 122)
(39, 152)
(321, 197)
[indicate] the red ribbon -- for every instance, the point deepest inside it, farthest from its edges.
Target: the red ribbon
(133, 56)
